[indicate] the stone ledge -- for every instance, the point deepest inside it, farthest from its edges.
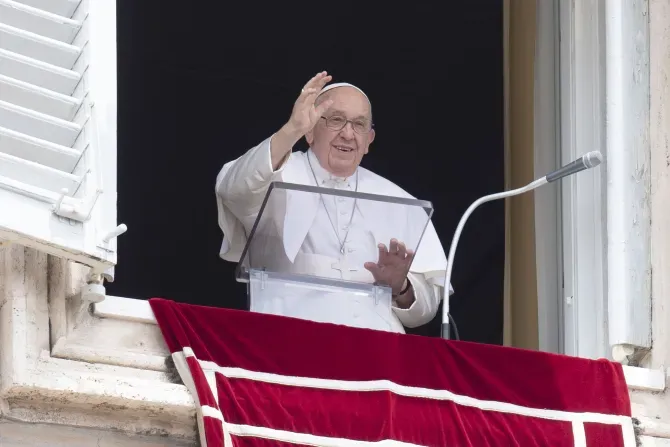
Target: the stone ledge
(63, 392)
(22, 434)
(651, 428)
(644, 379)
(650, 441)
(128, 309)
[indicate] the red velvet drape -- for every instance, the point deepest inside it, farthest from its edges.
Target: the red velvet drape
(283, 381)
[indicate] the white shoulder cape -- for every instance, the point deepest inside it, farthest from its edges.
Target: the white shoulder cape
(301, 209)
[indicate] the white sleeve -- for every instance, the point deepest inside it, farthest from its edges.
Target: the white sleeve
(242, 180)
(241, 186)
(425, 305)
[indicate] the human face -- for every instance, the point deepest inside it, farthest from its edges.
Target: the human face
(341, 151)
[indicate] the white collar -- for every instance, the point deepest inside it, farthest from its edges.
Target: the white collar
(324, 177)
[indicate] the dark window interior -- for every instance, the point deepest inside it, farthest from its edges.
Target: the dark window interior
(198, 86)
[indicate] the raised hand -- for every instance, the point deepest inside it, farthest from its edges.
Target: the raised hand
(393, 264)
(304, 117)
(305, 114)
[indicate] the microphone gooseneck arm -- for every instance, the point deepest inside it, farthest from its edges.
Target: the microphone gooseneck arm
(457, 236)
(590, 160)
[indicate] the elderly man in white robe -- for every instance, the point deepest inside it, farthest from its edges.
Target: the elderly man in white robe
(336, 121)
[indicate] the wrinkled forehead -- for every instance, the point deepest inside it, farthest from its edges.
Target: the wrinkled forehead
(347, 99)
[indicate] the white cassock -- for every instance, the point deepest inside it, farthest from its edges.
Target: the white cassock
(305, 239)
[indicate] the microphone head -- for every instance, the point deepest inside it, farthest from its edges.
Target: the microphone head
(592, 159)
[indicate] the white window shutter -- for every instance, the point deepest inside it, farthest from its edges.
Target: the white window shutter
(58, 98)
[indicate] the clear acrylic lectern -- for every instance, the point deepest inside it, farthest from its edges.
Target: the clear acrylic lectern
(306, 252)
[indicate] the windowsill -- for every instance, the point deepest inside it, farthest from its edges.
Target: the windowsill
(644, 379)
(134, 311)
(63, 366)
(127, 309)
(104, 368)
(78, 385)
(639, 379)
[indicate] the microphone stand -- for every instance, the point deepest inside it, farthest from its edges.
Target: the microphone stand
(590, 160)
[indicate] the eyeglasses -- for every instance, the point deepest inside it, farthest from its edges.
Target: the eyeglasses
(361, 126)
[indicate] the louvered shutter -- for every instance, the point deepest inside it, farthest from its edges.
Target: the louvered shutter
(58, 127)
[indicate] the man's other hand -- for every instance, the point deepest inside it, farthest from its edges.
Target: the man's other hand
(392, 266)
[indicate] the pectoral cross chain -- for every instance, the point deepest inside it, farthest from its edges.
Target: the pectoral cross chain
(343, 266)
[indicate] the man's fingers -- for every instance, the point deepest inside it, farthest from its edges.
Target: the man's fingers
(307, 94)
(321, 108)
(322, 79)
(383, 253)
(311, 90)
(312, 81)
(318, 81)
(393, 246)
(375, 269)
(402, 250)
(410, 257)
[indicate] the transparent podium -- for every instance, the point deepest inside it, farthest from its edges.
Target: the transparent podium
(306, 253)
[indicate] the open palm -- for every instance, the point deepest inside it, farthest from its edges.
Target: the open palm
(305, 114)
(392, 266)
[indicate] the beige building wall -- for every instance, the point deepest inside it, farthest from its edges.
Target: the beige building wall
(657, 406)
(660, 180)
(521, 307)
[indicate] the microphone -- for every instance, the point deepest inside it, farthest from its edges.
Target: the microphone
(587, 161)
(590, 160)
